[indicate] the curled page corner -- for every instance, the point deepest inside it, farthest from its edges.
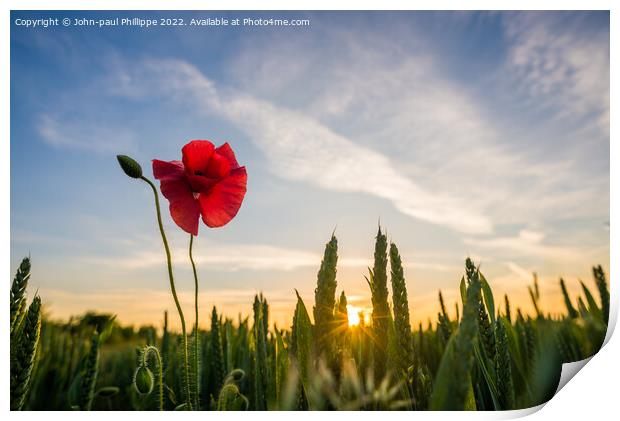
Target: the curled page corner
(568, 372)
(519, 413)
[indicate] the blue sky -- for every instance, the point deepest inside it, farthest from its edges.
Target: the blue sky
(480, 134)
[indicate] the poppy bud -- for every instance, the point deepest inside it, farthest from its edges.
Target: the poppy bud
(143, 380)
(130, 166)
(235, 376)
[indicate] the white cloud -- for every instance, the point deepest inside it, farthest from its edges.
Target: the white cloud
(383, 119)
(300, 147)
(519, 271)
(220, 257)
(559, 66)
(396, 97)
(234, 257)
(526, 243)
(77, 135)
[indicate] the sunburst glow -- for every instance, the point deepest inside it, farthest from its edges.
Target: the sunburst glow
(356, 314)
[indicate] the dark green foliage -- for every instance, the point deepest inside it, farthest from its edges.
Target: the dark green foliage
(546, 367)
(593, 307)
(215, 359)
(88, 375)
(569, 305)
(380, 308)
(402, 326)
(422, 385)
(503, 366)
(341, 315)
(361, 345)
(452, 388)
(302, 347)
(281, 370)
(507, 304)
(444, 326)
(444, 330)
(447, 367)
(261, 372)
(165, 354)
(341, 334)
(442, 305)
(325, 299)
(486, 332)
(530, 343)
(18, 293)
(229, 342)
(23, 351)
(601, 284)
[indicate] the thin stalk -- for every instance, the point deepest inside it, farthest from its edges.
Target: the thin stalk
(173, 289)
(191, 258)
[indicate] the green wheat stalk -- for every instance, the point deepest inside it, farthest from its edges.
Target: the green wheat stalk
(90, 371)
(572, 313)
(377, 281)
(503, 367)
(453, 389)
(601, 284)
(216, 356)
(325, 299)
(402, 325)
(18, 293)
(507, 304)
(260, 358)
(23, 354)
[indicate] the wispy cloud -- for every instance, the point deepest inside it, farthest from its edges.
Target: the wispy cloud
(221, 257)
(526, 243)
(560, 68)
(234, 257)
(68, 133)
(397, 97)
(384, 119)
(299, 147)
(518, 270)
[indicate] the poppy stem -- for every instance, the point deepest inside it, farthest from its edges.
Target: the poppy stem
(196, 353)
(173, 289)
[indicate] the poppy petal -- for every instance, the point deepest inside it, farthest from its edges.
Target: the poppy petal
(226, 151)
(224, 199)
(200, 184)
(218, 167)
(184, 208)
(196, 156)
(163, 170)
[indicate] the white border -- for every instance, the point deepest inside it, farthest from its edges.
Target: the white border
(590, 395)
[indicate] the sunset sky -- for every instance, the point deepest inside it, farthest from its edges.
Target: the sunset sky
(465, 134)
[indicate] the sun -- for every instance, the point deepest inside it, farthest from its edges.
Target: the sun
(353, 313)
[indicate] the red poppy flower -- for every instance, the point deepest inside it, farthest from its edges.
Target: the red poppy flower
(208, 182)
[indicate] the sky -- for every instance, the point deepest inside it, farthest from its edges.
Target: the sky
(463, 133)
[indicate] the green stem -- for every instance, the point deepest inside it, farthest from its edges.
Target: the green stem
(196, 368)
(160, 371)
(173, 289)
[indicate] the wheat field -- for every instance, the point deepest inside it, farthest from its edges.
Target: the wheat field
(488, 357)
